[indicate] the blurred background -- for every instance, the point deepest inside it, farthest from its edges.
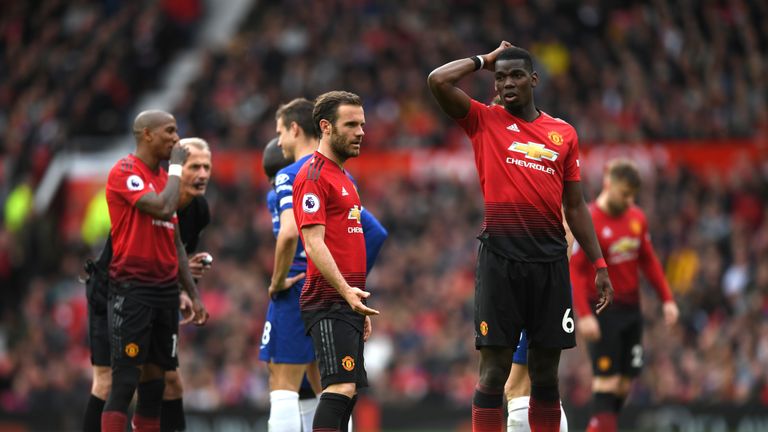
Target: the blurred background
(681, 87)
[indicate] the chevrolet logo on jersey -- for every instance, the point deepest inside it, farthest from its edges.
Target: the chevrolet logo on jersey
(624, 245)
(354, 213)
(534, 151)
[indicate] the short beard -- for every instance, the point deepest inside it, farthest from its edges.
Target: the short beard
(339, 146)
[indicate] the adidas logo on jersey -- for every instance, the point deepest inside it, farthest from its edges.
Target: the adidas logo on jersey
(513, 127)
(344, 191)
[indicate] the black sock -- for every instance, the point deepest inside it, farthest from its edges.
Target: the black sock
(330, 411)
(603, 402)
(618, 403)
(347, 414)
(172, 416)
(92, 417)
(150, 398)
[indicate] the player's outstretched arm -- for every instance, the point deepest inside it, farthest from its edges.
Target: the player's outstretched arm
(188, 283)
(317, 251)
(163, 205)
(442, 81)
(580, 221)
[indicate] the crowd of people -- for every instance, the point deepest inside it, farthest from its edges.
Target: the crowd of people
(666, 70)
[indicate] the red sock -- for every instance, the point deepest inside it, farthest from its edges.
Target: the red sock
(603, 422)
(113, 421)
(544, 416)
(145, 424)
(487, 415)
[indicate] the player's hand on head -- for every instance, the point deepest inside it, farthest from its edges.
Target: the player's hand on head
(179, 154)
(367, 328)
(354, 296)
(588, 328)
(199, 264)
(490, 58)
(671, 312)
(604, 290)
(185, 306)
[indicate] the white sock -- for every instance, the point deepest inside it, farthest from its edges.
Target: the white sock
(563, 419)
(307, 409)
(349, 426)
(518, 414)
(284, 413)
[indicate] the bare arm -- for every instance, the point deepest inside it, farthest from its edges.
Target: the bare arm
(442, 82)
(317, 251)
(188, 283)
(163, 205)
(285, 249)
(580, 221)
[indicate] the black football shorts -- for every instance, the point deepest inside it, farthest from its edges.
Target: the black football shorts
(511, 296)
(142, 334)
(339, 352)
(619, 350)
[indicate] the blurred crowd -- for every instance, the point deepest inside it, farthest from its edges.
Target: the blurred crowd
(71, 69)
(628, 73)
(618, 71)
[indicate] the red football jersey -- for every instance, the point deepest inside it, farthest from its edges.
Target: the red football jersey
(522, 167)
(627, 248)
(328, 197)
(144, 249)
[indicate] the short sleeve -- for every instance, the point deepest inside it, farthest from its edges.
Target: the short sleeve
(311, 199)
(471, 122)
(127, 182)
(284, 189)
(572, 169)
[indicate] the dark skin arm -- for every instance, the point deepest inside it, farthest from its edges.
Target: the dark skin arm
(442, 82)
(188, 283)
(163, 205)
(580, 221)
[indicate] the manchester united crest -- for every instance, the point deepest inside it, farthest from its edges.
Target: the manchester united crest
(484, 328)
(131, 350)
(348, 363)
(555, 137)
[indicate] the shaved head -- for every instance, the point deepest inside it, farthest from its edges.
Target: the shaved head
(150, 119)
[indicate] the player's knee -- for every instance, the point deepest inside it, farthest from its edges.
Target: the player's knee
(542, 366)
(102, 382)
(173, 386)
(517, 385)
(494, 372)
(607, 384)
(347, 389)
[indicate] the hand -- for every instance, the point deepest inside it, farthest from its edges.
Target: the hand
(201, 315)
(367, 328)
(197, 266)
(354, 296)
(490, 58)
(671, 312)
(185, 306)
(589, 328)
(287, 284)
(179, 154)
(604, 289)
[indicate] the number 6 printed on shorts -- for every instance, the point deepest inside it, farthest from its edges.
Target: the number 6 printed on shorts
(568, 324)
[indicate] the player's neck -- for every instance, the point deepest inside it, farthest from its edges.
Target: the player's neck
(149, 160)
(306, 148)
(325, 150)
(528, 113)
(602, 204)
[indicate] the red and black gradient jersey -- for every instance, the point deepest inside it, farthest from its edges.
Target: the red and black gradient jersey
(324, 195)
(522, 168)
(144, 248)
(627, 248)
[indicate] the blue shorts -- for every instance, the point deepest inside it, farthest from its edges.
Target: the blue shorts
(285, 339)
(521, 353)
